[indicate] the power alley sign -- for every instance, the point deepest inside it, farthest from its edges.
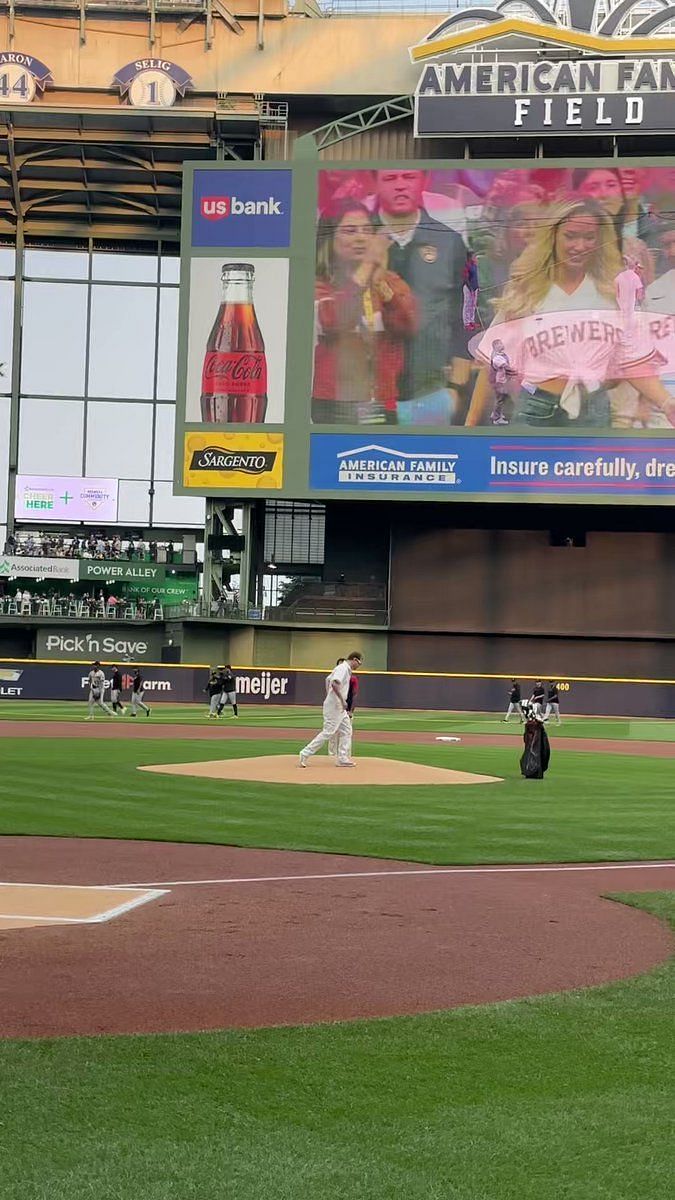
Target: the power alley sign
(111, 571)
(535, 95)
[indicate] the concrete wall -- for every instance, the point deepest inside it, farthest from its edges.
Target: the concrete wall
(505, 581)
(533, 656)
(300, 57)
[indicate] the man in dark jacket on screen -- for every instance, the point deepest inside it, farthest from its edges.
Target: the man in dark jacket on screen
(430, 257)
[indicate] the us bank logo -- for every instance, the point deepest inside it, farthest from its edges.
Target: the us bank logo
(242, 209)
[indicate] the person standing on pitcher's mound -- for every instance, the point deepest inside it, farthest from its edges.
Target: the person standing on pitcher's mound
(336, 718)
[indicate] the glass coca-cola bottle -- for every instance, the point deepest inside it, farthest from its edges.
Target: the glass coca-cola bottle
(234, 375)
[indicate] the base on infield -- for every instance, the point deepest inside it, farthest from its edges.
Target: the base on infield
(321, 771)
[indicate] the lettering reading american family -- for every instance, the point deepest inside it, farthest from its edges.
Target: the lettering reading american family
(544, 95)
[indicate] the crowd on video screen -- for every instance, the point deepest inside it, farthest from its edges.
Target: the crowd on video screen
(540, 298)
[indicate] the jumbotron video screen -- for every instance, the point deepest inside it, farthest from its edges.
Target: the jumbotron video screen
(429, 330)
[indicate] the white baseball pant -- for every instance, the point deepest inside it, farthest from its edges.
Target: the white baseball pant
(336, 724)
(517, 707)
(96, 698)
(137, 702)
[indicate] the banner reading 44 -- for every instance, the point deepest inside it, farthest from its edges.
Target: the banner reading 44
(22, 76)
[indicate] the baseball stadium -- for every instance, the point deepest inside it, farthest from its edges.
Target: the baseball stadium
(337, 582)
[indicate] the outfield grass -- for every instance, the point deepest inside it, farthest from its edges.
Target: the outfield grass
(588, 808)
(557, 1098)
(303, 717)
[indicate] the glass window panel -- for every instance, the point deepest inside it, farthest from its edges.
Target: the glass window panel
(133, 506)
(7, 260)
(168, 345)
(127, 268)
(170, 269)
(6, 327)
(4, 459)
(54, 337)
(119, 438)
(57, 264)
(164, 434)
(177, 510)
(122, 343)
(50, 437)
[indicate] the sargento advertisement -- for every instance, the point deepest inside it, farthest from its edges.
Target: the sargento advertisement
(429, 330)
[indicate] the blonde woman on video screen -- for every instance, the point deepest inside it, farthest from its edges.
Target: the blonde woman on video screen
(567, 367)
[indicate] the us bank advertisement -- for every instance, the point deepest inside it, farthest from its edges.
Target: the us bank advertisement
(432, 330)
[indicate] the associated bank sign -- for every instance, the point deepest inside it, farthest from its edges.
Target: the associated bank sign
(23, 567)
(630, 88)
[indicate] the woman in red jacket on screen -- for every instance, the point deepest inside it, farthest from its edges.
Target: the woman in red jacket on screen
(363, 314)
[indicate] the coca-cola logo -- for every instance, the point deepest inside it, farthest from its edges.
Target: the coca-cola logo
(238, 367)
(218, 458)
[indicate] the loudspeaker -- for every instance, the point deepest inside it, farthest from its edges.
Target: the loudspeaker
(171, 654)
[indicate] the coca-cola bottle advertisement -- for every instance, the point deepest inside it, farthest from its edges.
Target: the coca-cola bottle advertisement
(237, 347)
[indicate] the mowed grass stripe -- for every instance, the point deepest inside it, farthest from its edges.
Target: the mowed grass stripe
(588, 807)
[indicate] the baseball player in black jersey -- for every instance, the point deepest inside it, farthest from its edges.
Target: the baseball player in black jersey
(116, 690)
(538, 699)
(553, 701)
(515, 701)
(228, 690)
(137, 693)
(214, 691)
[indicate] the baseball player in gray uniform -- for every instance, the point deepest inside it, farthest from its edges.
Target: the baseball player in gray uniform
(96, 692)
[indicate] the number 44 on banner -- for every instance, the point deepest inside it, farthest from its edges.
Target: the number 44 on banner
(21, 77)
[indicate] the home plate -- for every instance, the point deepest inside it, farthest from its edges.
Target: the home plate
(285, 768)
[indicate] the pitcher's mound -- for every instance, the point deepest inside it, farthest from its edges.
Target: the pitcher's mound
(284, 768)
